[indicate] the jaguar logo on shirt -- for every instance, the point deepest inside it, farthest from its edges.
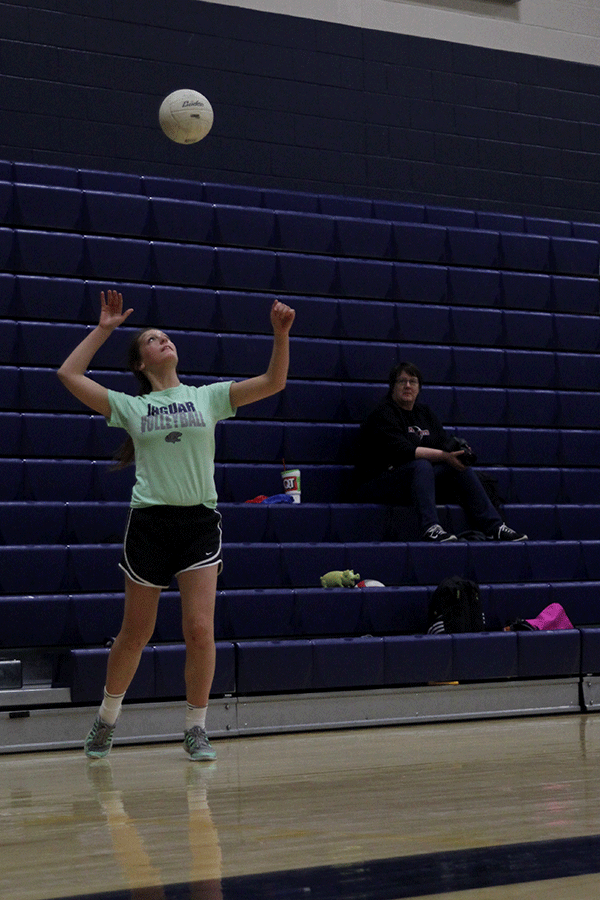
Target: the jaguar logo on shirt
(173, 437)
(420, 432)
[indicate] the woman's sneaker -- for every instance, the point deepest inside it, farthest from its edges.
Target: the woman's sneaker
(504, 533)
(196, 743)
(99, 740)
(436, 533)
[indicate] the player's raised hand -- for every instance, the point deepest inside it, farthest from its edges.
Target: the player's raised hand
(282, 317)
(111, 310)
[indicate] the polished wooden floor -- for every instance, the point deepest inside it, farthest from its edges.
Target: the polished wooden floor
(497, 809)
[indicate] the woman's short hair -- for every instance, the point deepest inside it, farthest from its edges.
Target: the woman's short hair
(397, 370)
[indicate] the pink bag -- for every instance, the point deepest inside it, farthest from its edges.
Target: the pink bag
(552, 618)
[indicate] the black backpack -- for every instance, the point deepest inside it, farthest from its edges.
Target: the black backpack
(455, 607)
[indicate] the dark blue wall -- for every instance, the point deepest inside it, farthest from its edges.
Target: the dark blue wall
(299, 104)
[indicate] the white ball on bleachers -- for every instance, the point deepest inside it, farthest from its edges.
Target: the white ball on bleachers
(186, 116)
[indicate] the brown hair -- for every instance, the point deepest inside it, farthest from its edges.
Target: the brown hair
(125, 455)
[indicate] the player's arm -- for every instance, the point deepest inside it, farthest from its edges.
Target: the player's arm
(72, 372)
(274, 379)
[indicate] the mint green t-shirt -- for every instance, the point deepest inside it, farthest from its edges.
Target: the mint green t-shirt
(173, 434)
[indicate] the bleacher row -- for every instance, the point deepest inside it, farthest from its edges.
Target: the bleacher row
(499, 311)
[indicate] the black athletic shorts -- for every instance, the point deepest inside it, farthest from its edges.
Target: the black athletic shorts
(162, 541)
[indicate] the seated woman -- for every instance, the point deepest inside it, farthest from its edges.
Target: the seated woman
(401, 458)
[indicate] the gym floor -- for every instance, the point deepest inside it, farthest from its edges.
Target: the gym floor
(488, 809)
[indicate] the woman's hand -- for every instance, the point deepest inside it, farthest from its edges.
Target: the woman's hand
(282, 317)
(111, 310)
(453, 459)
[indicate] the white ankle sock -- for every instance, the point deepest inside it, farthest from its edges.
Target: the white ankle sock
(111, 707)
(195, 715)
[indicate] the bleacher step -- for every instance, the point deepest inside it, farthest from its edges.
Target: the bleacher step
(11, 674)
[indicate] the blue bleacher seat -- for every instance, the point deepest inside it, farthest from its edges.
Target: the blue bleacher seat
(117, 258)
(331, 206)
(269, 667)
(398, 212)
(550, 227)
(508, 602)
(94, 567)
(177, 188)
(489, 561)
(574, 255)
(446, 215)
(236, 194)
(42, 298)
(169, 661)
(428, 568)
(474, 247)
(500, 221)
(474, 406)
(579, 409)
(478, 365)
(182, 220)
(85, 673)
(303, 232)
(22, 523)
(49, 253)
(526, 368)
(98, 616)
(527, 252)
(533, 408)
(39, 173)
(183, 263)
(590, 651)
(328, 611)
(577, 332)
(33, 569)
(417, 659)
(392, 610)
(116, 213)
(364, 278)
(364, 237)
(526, 329)
(40, 206)
(526, 290)
(548, 654)
(475, 287)
(422, 283)
(248, 269)
(9, 334)
(579, 599)
(423, 243)
(240, 226)
(481, 327)
(46, 435)
(43, 621)
(303, 274)
(96, 180)
(6, 203)
(347, 662)
(93, 522)
(184, 307)
(484, 657)
(273, 198)
(577, 371)
(575, 295)
(243, 440)
(248, 614)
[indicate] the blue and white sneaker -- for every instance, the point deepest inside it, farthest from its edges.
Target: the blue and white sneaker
(99, 740)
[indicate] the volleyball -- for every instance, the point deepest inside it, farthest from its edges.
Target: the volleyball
(370, 582)
(185, 116)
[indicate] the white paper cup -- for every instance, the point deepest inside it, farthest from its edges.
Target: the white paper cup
(291, 483)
